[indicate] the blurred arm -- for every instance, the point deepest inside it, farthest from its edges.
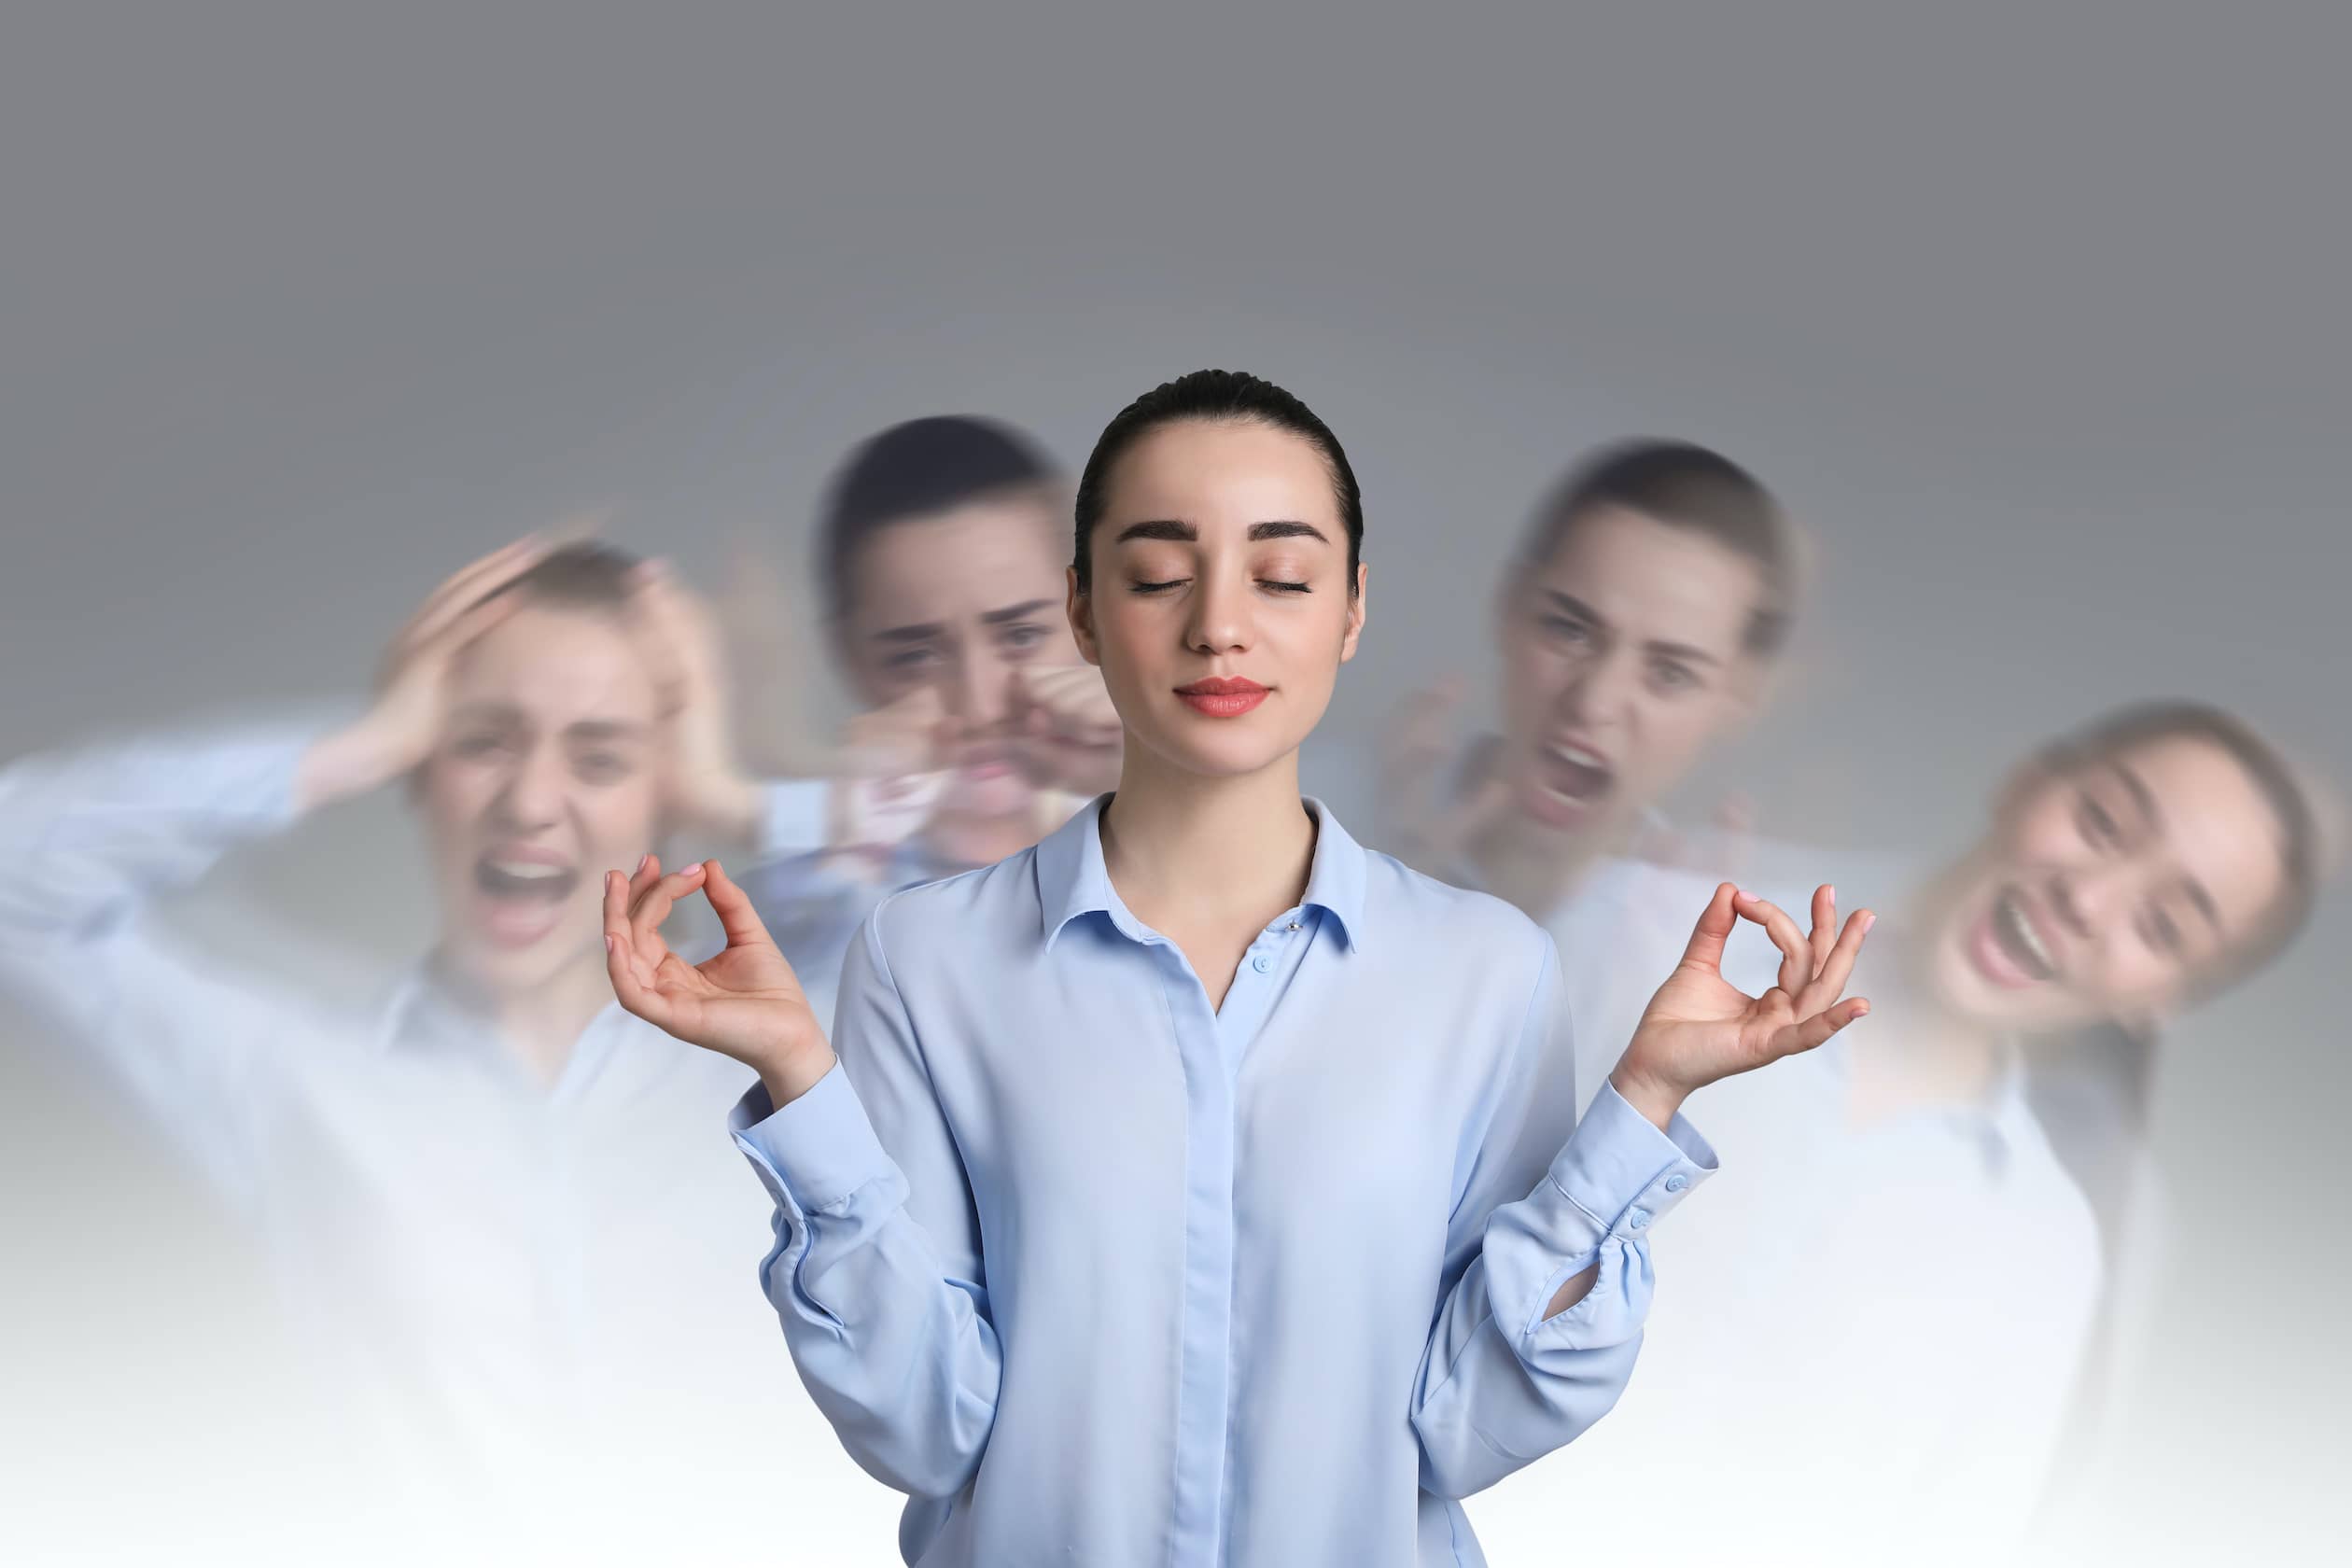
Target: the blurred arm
(94, 838)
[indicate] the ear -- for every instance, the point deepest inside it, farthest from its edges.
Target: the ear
(1355, 613)
(1079, 606)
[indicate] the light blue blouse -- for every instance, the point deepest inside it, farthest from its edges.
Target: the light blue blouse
(1101, 1275)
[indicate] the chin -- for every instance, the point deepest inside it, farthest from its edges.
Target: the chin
(1005, 794)
(507, 971)
(1226, 756)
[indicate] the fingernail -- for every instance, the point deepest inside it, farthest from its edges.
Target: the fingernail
(1832, 888)
(643, 859)
(1868, 921)
(1745, 894)
(1863, 1011)
(608, 948)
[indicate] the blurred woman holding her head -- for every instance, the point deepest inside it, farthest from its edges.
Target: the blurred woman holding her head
(1175, 1190)
(487, 1195)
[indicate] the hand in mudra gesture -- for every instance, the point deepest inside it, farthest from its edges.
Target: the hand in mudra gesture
(1700, 1027)
(743, 1002)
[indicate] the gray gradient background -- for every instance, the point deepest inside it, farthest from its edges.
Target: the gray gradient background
(2036, 314)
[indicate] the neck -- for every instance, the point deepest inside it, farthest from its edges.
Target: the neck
(966, 840)
(1183, 849)
(1535, 867)
(1941, 1058)
(541, 1024)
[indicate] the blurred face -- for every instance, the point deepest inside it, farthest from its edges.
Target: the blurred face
(958, 602)
(1219, 610)
(1622, 658)
(544, 779)
(2107, 890)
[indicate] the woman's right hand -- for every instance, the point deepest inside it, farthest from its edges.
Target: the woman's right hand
(403, 725)
(745, 1002)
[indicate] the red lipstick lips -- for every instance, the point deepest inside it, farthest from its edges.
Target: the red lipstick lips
(1223, 697)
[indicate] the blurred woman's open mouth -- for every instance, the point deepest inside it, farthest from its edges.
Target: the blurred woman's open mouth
(523, 893)
(1570, 780)
(2009, 947)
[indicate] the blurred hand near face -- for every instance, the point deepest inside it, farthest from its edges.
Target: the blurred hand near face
(889, 774)
(1068, 732)
(404, 724)
(707, 787)
(1428, 816)
(1700, 1027)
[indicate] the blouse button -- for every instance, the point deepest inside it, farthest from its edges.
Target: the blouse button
(1262, 964)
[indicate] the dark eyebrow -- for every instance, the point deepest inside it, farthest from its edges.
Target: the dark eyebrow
(1185, 532)
(2203, 901)
(1583, 612)
(605, 729)
(923, 633)
(1574, 605)
(2141, 796)
(1026, 608)
(1162, 528)
(583, 729)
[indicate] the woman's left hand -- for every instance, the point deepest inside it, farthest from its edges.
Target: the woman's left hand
(1700, 1027)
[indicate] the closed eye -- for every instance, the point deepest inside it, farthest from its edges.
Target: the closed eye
(1159, 587)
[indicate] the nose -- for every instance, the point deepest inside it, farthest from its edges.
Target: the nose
(1220, 622)
(2086, 899)
(533, 797)
(975, 692)
(1598, 693)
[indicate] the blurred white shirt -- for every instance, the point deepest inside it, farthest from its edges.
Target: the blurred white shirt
(1864, 1347)
(536, 1304)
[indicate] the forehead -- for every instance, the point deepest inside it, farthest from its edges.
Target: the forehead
(558, 665)
(1222, 474)
(2216, 825)
(1649, 575)
(960, 563)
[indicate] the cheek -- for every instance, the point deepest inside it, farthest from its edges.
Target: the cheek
(1672, 732)
(622, 818)
(453, 792)
(2128, 976)
(2046, 841)
(1531, 678)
